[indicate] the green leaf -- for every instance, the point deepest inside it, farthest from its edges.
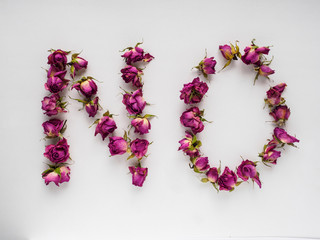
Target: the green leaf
(215, 186)
(131, 156)
(238, 183)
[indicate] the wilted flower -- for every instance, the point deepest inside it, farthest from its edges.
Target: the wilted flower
(194, 91)
(132, 74)
(192, 118)
(57, 82)
(57, 153)
(269, 154)
(117, 145)
(53, 105)
(280, 114)
(105, 126)
(227, 180)
(139, 175)
(141, 125)
(58, 59)
(86, 86)
(230, 53)
(139, 147)
(201, 164)
(252, 54)
(283, 137)
(92, 107)
(247, 169)
(274, 95)
(212, 174)
(190, 145)
(265, 70)
(134, 102)
(52, 128)
(56, 175)
(77, 63)
(207, 66)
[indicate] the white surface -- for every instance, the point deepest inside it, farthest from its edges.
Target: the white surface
(99, 202)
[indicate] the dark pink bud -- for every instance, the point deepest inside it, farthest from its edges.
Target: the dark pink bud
(246, 170)
(226, 52)
(201, 164)
(58, 60)
(57, 82)
(132, 74)
(139, 147)
(117, 145)
(79, 63)
(282, 136)
(280, 114)
(191, 118)
(134, 102)
(57, 153)
(92, 107)
(141, 125)
(265, 70)
(86, 86)
(133, 55)
(52, 128)
(52, 105)
(105, 126)
(194, 91)
(138, 175)
(227, 180)
(56, 175)
(212, 174)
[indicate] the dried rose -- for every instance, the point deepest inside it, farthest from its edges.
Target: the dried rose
(56, 175)
(139, 147)
(207, 66)
(201, 164)
(86, 86)
(139, 175)
(274, 95)
(269, 154)
(212, 174)
(117, 145)
(77, 63)
(230, 52)
(141, 125)
(265, 70)
(134, 102)
(148, 57)
(280, 114)
(192, 118)
(57, 82)
(247, 169)
(194, 91)
(133, 55)
(283, 137)
(52, 128)
(58, 59)
(252, 54)
(53, 105)
(92, 107)
(57, 153)
(227, 180)
(105, 126)
(132, 74)
(190, 145)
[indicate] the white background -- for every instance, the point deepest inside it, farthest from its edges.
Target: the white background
(99, 202)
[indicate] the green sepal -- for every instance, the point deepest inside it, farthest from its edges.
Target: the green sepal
(95, 122)
(226, 65)
(125, 135)
(128, 48)
(149, 116)
(107, 113)
(215, 186)
(196, 170)
(238, 183)
(131, 156)
(232, 190)
(204, 180)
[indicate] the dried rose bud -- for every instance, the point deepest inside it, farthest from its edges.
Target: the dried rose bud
(59, 152)
(139, 175)
(132, 74)
(92, 107)
(141, 125)
(212, 174)
(194, 91)
(57, 82)
(86, 86)
(134, 102)
(280, 114)
(201, 164)
(58, 60)
(105, 126)
(52, 128)
(227, 180)
(139, 147)
(192, 118)
(247, 169)
(117, 145)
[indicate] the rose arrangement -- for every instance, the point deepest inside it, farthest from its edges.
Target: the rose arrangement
(193, 92)
(135, 105)
(58, 152)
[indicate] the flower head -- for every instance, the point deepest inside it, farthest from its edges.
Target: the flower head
(227, 180)
(201, 164)
(247, 169)
(86, 86)
(59, 152)
(280, 114)
(52, 105)
(56, 175)
(57, 82)
(105, 126)
(212, 175)
(139, 147)
(192, 118)
(52, 128)
(194, 91)
(134, 102)
(117, 145)
(274, 95)
(58, 60)
(141, 125)
(139, 175)
(283, 137)
(92, 107)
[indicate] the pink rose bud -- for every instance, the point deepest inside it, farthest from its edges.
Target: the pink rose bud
(56, 175)
(141, 125)
(133, 55)
(138, 175)
(280, 114)
(283, 137)
(92, 107)
(147, 57)
(134, 102)
(227, 180)
(194, 91)
(56, 83)
(105, 126)
(253, 53)
(212, 174)
(207, 66)
(201, 164)
(190, 145)
(58, 60)
(79, 63)
(247, 169)
(52, 128)
(226, 52)
(269, 154)
(132, 74)
(265, 71)
(274, 94)
(117, 145)
(57, 153)
(52, 105)
(192, 118)
(86, 86)
(139, 147)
